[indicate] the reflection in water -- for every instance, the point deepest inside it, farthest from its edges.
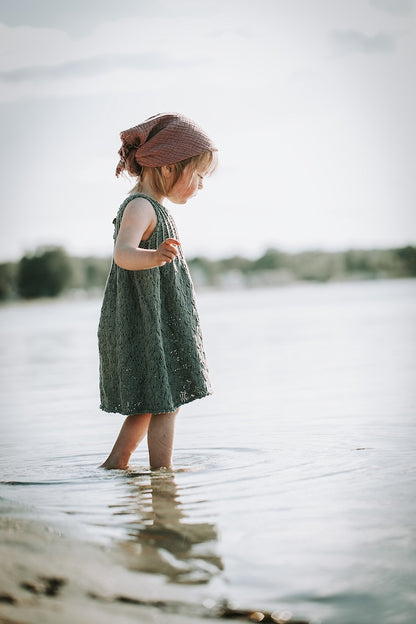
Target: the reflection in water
(163, 540)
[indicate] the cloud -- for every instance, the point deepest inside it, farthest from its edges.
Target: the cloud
(354, 41)
(87, 67)
(79, 18)
(400, 7)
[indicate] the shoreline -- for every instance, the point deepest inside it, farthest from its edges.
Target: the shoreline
(50, 577)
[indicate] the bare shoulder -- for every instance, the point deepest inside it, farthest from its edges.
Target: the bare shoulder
(139, 215)
(139, 206)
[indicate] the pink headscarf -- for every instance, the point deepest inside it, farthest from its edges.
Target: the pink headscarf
(161, 140)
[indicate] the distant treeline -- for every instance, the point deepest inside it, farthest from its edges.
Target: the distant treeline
(275, 267)
(50, 271)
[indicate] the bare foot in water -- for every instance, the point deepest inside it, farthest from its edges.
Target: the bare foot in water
(109, 465)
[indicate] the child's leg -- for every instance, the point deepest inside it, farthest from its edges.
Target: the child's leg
(131, 433)
(160, 440)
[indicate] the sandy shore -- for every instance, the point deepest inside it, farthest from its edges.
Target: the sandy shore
(50, 577)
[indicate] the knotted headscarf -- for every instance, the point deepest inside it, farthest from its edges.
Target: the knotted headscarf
(164, 139)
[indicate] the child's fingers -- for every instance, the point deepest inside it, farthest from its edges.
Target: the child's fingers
(169, 246)
(168, 250)
(168, 257)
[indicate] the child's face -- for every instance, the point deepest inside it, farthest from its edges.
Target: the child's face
(186, 187)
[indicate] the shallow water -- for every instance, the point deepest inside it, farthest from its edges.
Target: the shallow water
(294, 484)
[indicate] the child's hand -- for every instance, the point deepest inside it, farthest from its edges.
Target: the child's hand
(167, 251)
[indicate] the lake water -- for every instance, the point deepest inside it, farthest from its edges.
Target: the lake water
(294, 484)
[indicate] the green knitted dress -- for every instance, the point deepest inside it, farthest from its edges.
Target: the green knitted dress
(152, 358)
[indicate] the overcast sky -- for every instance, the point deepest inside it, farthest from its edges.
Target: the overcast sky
(311, 103)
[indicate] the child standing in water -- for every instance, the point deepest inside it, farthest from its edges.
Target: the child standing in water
(152, 359)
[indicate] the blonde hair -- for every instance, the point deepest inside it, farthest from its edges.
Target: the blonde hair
(206, 162)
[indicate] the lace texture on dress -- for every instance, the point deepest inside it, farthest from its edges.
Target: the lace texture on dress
(152, 358)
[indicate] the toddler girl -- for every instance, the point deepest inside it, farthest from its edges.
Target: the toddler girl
(152, 359)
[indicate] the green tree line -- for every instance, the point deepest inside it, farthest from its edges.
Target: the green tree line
(50, 271)
(274, 266)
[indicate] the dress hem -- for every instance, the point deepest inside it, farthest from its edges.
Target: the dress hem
(152, 411)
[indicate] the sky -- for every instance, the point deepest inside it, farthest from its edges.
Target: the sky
(310, 102)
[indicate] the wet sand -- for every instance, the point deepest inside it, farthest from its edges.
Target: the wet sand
(50, 577)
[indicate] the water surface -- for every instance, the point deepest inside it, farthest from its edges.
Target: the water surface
(294, 484)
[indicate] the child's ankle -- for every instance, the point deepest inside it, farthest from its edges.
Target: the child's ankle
(115, 463)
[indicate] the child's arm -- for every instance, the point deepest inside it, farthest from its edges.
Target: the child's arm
(138, 222)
